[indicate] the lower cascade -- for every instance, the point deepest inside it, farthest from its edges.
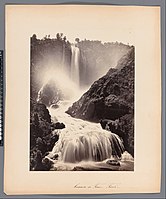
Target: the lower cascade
(91, 146)
(83, 141)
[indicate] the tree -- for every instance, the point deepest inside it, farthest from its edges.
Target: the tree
(36, 119)
(33, 38)
(77, 40)
(61, 35)
(64, 39)
(58, 36)
(45, 38)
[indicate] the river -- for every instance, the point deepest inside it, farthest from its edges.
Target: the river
(84, 145)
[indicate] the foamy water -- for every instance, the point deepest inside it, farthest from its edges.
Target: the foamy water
(83, 143)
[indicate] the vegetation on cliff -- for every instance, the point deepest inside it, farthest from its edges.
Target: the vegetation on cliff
(95, 58)
(112, 98)
(43, 135)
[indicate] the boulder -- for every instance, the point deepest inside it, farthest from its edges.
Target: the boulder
(113, 162)
(58, 125)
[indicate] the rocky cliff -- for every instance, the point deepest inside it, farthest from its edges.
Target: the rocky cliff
(43, 135)
(49, 54)
(97, 57)
(111, 98)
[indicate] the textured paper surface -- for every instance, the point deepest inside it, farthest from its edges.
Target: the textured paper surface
(137, 25)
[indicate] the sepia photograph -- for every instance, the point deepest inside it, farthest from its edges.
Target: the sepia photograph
(83, 99)
(81, 104)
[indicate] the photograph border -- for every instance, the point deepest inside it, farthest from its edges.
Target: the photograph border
(160, 3)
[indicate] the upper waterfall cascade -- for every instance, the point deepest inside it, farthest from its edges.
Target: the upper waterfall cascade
(75, 64)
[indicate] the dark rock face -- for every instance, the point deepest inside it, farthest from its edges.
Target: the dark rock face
(54, 106)
(110, 101)
(41, 112)
(41, 164)
(113, 162)
(42, 139)
(50, 94)
(58, 125)
(97, 57)
(124, 128)
(110, 97)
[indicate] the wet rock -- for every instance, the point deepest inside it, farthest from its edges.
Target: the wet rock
(55, 106)
(127, 157)
(49, 93)
(55, 157)
(109, 124)
(78, 168)
(53, 169)
(47, 163)
(52, 156)
(124, 128)
(41, 164)
(58, 125)
(113, 162)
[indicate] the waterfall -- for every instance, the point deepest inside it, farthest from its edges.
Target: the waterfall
(88, 146)
(75, 64)
(84, 141)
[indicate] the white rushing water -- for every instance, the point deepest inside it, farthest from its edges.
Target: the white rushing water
(86, 145)
(82, 140)
(75, 76)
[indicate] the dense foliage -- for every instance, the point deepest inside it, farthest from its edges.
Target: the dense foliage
(94, 61)
(43, 135)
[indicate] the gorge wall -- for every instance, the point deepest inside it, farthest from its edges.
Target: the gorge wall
(82, 62)
(110, 101)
